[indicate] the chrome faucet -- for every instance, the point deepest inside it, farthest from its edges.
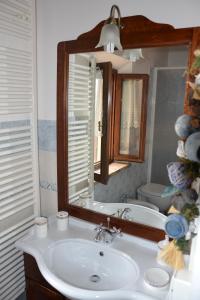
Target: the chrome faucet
(106, 234)
(124, 213)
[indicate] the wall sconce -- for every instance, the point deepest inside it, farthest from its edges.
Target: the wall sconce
(110, 33)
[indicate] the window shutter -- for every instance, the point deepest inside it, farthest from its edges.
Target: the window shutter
(18, 147)
(80, 125)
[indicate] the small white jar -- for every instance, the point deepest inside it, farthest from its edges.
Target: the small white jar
(161, 245)
(41, 227)
(85, 199)
(62, 220)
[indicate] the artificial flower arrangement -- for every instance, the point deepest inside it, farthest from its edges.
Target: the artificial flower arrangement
(184, 176)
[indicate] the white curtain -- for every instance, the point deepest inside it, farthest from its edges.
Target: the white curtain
(131, 114)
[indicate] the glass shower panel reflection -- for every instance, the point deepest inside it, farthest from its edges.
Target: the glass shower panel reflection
(170, 90)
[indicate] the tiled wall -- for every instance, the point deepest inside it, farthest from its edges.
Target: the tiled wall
(123, 183)
(48, 166)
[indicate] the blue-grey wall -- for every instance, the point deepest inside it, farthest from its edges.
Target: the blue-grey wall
(123, 184)
(169, 106)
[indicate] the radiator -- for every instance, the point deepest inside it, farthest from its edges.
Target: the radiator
(18, 143)
(81, 91)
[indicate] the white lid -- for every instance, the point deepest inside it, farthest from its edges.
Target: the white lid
(62, 214)
(40, 220)
(153, 189)
(157, 277)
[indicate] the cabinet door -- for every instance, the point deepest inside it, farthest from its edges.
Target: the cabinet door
(36, 291)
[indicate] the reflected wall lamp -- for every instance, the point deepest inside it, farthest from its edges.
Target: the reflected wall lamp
(110, 33)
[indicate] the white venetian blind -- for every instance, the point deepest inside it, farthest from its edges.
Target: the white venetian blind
(81, 93)
(18, 157)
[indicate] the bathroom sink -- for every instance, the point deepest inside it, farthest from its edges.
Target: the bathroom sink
(91, 266)
(81, 269)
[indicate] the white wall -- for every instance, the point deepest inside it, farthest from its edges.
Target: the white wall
(59, 20)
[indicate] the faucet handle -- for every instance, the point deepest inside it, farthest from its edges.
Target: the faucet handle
(99, 227)
(117, 231)
(108, 222)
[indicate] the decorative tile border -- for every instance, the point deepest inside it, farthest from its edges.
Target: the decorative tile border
(50, 186)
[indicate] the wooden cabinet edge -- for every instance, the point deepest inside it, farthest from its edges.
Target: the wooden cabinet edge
(36, 284)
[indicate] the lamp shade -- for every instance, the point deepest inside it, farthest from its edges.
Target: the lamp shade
(110, 38)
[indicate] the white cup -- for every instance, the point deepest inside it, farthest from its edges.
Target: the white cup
(41, 227)
(62, 220)
(85, 199)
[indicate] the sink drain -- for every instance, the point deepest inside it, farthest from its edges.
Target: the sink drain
(95, 278)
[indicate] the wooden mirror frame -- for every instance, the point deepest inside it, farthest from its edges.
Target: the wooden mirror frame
(138, 32)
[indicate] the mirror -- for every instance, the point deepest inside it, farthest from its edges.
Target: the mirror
(134, 192)
(100, 200)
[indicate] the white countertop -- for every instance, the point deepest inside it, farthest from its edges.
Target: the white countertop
(142, 251)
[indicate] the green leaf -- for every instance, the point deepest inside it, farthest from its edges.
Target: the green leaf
(190, 211)
(183, 245)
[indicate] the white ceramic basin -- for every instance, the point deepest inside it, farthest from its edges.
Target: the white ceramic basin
(138, 213)
(142, 203)
(91, 266)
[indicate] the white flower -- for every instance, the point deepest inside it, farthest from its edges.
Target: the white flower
(197, 52)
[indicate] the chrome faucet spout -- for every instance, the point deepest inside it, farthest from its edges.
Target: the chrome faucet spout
(124, 213)
(106, 234)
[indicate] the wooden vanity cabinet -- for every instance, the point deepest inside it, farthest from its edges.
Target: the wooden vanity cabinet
(37, 288)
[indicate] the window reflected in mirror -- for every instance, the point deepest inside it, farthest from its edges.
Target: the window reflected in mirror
(130, 116)
(119, 119)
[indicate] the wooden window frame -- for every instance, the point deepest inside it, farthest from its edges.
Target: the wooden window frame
(107, 109)
(118, 112)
